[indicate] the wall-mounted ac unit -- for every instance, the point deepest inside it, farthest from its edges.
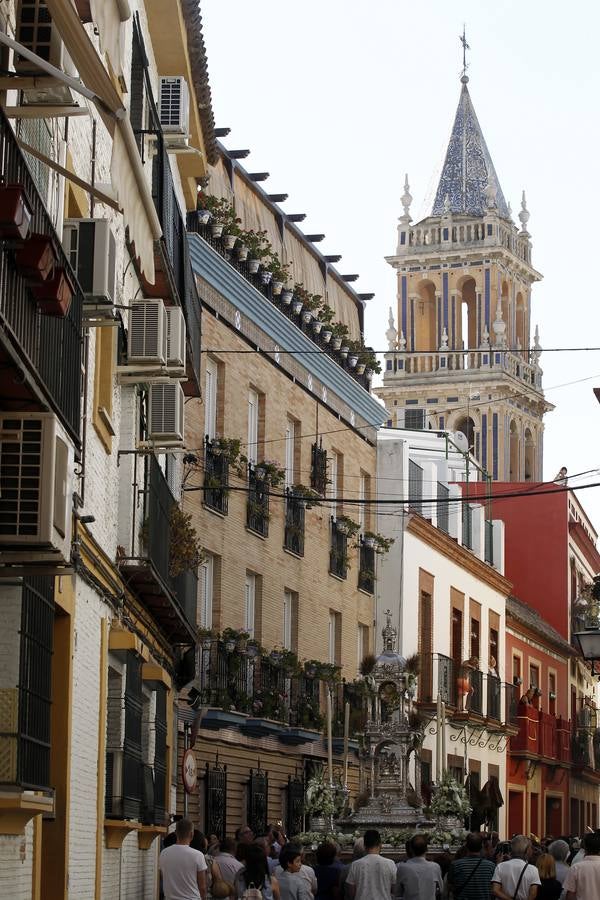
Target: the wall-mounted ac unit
(36, 477)
(165, 414)
(147, 338)
(37, 32)
(90, 246)
(174, 110)
(175, 337)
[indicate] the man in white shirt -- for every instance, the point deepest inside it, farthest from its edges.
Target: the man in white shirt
(183, 869)
(583, 879)
(516, 878)
(372, 877)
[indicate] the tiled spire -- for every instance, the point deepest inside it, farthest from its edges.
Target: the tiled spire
(468, 170)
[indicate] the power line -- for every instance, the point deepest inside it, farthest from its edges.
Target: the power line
(402, 353)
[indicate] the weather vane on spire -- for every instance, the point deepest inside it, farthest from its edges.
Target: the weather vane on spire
(463, 39)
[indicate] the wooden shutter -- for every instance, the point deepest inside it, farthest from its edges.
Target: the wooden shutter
(210, 400)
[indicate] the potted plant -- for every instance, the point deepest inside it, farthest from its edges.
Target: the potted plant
(36, 258)
(270, 471)
(319, 800)
(369, 358)
(259, 248)
(15, 212)
(305, 495)
(54, 295)
(353, 350)
(346, 525)
(338, 332)
(206, 637)
(185, 550)
(377, 542)
(286, 296)
(231, 449)
(280, 273)
(222, 213)
(296, 306)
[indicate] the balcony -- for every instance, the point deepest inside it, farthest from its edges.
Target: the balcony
(265, 688)
(216, 476)
(171, 599)
(338, 553)
(295, 515)
(257, 507)
(174, 279)
(289, 310)
(469, 694)
(366, 567)
(541, 736)
(459, 365)
(40, 355)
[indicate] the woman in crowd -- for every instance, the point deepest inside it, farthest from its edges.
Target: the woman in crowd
(551, 888)
(256, 874)
(328, 872)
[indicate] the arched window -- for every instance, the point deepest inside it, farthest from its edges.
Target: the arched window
(466, 426)
(514, 452)
(529, 456)
(425, 314)
(506, 313)
(521, 329)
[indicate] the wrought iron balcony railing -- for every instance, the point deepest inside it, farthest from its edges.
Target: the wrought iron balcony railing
(171, 598)
(257, 507)
(294, 523)
(366, 568)
(46, 347)
(338, 553)
(216, 476)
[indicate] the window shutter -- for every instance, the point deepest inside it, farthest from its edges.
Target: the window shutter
(205, 592)
(210, 400)
(252, 427)
(132, 744)
(249, 602)
(290, 435)
(288, 606)
(160, 756)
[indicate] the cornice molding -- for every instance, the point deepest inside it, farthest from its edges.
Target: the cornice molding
(447, 546)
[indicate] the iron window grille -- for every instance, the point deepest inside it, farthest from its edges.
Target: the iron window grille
(366, 568)
(294, 820)
(318, 468)
(257, 511)
(338, 554)
(294, 523)
(215, 801)
(258, 791)
(216, 477)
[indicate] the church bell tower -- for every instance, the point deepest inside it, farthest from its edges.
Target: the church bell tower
(461, 354)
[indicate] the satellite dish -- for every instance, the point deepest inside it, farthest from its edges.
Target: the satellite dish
(461, 441)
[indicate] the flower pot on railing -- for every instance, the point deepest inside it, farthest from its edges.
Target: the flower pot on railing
(352, 360)
(307, 316)
(242, 252)
(360, 368)
(203, 216)
(326, 335)
(260, 473)
(277, 287)
(216, 230)
(36, 258)
(286, 296)
(368, 373)
(341, 528)
(316, 326)
(296, 306)
(229, 241)
(54, 295)
(336, 343)
(253, 266)
(15, 212)
(265, 276)
(369, 542)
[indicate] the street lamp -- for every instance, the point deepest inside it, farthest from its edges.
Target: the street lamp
(589, 643)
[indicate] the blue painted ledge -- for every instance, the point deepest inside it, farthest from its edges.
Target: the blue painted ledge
(227, 281)
(262, 728)
(221, 718)
(295, 736)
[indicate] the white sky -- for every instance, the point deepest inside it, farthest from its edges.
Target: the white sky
(337, 99)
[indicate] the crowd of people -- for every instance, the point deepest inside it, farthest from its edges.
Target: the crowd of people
(269, 867)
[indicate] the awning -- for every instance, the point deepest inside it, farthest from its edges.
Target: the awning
(127, 172)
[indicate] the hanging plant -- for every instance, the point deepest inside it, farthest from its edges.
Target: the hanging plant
(381, 545)
(301, 492)
(269, 470)
(231, 449)
(185, 550)
(348, 526)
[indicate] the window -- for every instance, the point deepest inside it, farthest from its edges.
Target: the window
(552, 693)
(210, 399)
(250, 603)
(335, 636)
(494, 649)
(290, 619)
(253, 412)
(290, 451)
(205, 592)
(364, 492)
(333, 486)
(475, 637)
(534, 682)
(516, 669)
(414, 418)
(318, 468)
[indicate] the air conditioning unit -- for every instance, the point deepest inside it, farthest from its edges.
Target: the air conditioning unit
(175, 337)
(37, 32)
(36, 482)
(174, 110)
(165, 414)
(147, 338)
(90, 246)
